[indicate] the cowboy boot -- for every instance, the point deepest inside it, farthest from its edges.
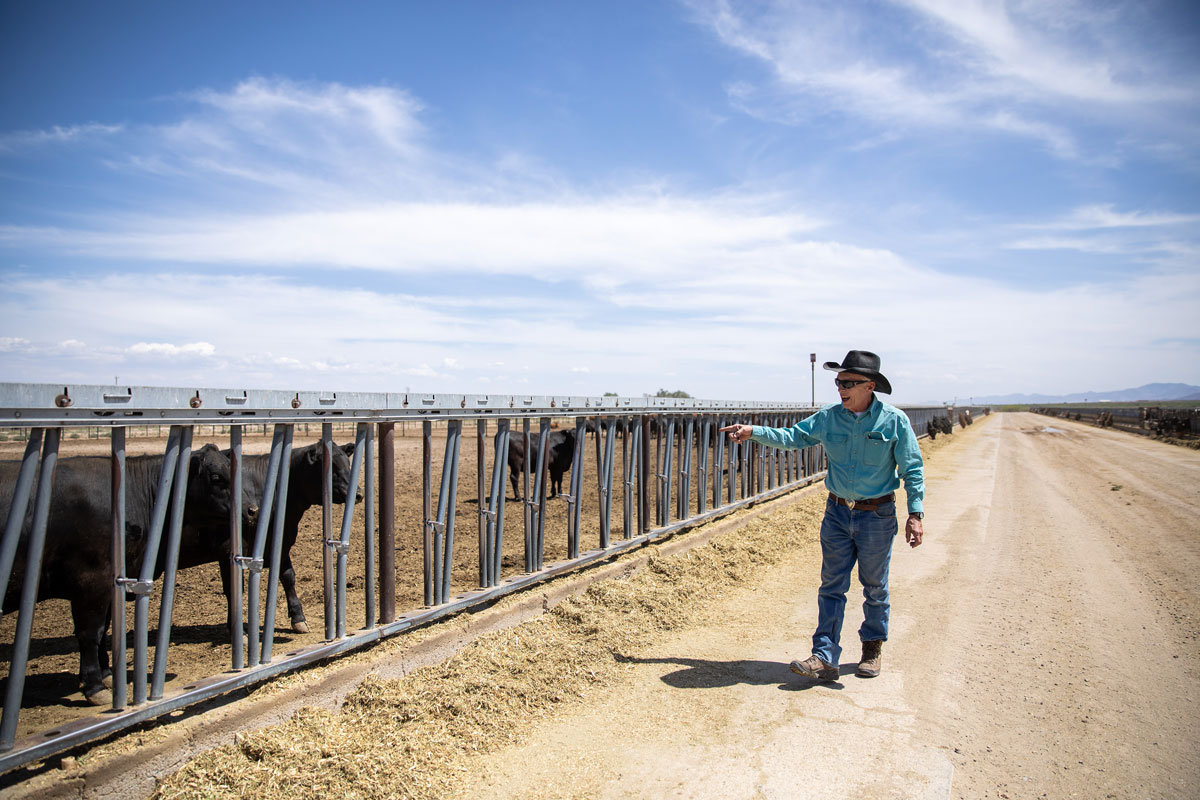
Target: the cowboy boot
(872, 659)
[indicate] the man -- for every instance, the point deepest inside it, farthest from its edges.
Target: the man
(867, 443)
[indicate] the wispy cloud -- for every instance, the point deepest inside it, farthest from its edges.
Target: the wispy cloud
(1104, 216)
(1020, 69)
(25, 140)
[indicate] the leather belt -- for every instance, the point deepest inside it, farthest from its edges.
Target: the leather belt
(865, 505)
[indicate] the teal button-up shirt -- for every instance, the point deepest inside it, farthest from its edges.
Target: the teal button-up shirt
(868, 455)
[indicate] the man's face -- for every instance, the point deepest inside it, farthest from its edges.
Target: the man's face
(857, 395)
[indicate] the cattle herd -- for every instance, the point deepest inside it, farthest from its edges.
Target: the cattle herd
(938, 425)
(77, 563)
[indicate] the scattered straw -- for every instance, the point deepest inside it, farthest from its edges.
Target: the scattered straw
(406, 738)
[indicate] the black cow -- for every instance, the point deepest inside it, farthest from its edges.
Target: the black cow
(305, 479)
(77, 560)
(939, 425)
(560, 449)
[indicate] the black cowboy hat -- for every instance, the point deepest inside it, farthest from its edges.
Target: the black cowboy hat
(865, 363)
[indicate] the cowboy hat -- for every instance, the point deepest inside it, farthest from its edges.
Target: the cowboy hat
(865, 363)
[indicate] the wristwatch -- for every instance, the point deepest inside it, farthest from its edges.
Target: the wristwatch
(918, 514)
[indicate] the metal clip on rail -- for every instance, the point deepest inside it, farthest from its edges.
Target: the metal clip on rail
(338, 546)
(248, 563)
(134, 586)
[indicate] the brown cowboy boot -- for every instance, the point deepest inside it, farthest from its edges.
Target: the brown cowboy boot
(872, 659)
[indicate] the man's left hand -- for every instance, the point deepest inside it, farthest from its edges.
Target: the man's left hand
(913, 531)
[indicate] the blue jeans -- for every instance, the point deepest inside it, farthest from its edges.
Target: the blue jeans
(848, 536)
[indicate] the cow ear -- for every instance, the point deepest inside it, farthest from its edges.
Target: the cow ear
(348, 448)
(312, 455)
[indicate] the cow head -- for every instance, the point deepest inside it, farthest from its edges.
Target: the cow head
(341, 472)
(209, 494)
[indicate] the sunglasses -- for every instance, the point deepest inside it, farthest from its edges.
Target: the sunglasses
(848, 384)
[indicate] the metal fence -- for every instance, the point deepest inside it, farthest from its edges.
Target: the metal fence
(658, 465)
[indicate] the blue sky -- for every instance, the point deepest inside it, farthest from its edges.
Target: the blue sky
(573, 198)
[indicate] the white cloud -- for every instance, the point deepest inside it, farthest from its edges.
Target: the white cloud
(172, 350)
(749, 343)
(604, 241)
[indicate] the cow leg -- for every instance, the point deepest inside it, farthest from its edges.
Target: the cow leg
(287, 577)
(90, 622)
(106, 672)
(512, 476)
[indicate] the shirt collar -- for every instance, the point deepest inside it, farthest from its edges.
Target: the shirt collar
(870, 411)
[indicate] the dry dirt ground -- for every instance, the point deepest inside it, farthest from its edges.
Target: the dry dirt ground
(1045, 642)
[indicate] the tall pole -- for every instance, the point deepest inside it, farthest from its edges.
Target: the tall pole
(812, 359)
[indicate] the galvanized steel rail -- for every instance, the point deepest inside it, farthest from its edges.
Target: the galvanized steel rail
(671, 444)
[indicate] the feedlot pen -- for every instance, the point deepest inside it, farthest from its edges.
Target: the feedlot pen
(435, 532)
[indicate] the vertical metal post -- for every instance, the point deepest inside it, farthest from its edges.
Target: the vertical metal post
(280, 503)
(268, 510)
(626, 479)
(575, 488)
(368, 524)
(665, 474)
(29, 587)
(812, 360)
(539, 544)
(327, 565)
(527, 501)
(342, 545)
(235, 547)
(685, 504)
(141, 605)
(496, 507)
(731, 474)
(719, 467)
(644, 475)
(427, 506)
(387, 522)
(705, 450)
(167, 605)
(120, 678)
(447, 515)
(610, 444)
(481, 474)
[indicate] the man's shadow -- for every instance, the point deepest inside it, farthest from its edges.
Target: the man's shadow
(703, 673)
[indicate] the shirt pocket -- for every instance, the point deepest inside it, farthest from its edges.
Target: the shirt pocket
(837, 446)
(878, 448)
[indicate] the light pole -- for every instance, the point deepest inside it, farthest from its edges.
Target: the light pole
(812, 359)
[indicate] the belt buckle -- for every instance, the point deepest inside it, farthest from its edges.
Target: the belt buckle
(851, 503)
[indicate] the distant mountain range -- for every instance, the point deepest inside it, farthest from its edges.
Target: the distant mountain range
(1151, 393)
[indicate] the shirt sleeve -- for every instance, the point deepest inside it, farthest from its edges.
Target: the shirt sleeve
(911, 467)
(803, 434)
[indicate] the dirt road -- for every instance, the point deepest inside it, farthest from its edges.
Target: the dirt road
(1045, 642)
